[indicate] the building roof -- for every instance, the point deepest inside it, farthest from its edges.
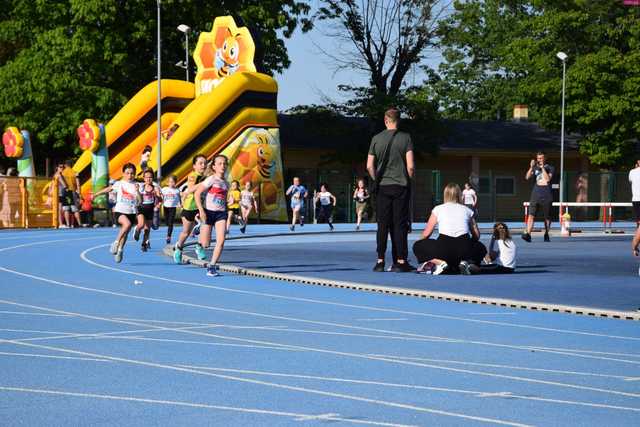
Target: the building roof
(456, 135)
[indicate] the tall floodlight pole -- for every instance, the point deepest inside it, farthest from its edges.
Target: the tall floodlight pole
(562, 57)
(159, 103)
(186, 30)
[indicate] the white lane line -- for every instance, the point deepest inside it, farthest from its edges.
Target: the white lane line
(166, 340)
(46, 356)
(34, 331)
(293, 415)
(382, 319)
(84, 257)
(25, 245)
(342, 353)
(25, 313)
(577, 350)
(211, 325)
(274, 385)
(421, 387)
(519, 368)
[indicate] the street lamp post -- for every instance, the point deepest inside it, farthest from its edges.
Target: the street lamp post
(186, 30)
(562, 57)
(159, 102)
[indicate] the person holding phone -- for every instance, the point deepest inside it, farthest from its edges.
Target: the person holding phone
(541, 197)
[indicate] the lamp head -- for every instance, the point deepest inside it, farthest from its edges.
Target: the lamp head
(562, 56)
(184, 28)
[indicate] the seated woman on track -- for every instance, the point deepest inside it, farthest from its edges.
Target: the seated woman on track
(457, 248)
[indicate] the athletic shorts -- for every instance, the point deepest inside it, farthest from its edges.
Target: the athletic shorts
(636, 210)
(234, 211)
(189, 215)
(541, 201)
(69, 200)
(361, 207)
(215, 216)
(297, 206)
(146, 211)
(132, 217)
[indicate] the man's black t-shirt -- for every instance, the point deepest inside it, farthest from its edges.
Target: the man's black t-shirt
(538, 188)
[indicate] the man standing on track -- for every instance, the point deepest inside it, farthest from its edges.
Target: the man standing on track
(390, 163)
(541, 196)
(634, 179)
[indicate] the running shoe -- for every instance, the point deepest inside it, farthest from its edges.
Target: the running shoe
(177, 254)
(379, 267)
(200, 252)
(468, 268)
(440, 268)
(243, 228)
(144, 247)
(292, 227)
(212, 271)
(425, 268)
(405, 267)
(241, 222)
(331, 227)
(196, 230)
(114, 248)
(136, 234)
(546, 236)
(168, 240)
(357, 228)
(526, 237)
(118, 256)
(301, 221)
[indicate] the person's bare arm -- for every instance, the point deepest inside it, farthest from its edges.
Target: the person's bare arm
(103, 191)
(411, 166)
(371, 168)
(197, 197)
(431, 225)
(530, 171)
(475, 231)
(333, 199)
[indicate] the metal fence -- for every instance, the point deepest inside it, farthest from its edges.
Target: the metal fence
(500, 193)
(28, 203)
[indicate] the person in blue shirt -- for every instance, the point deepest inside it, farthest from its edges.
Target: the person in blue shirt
(298, 194)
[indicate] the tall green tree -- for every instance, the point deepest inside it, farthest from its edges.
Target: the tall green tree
(501, 52)
(64, 61)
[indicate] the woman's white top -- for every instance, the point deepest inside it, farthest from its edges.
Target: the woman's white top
(325, 198)
(506, 251)
(127, 196)
(453, 219)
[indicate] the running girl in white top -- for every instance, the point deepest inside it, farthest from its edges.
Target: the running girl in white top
(214, 210)
(327, 202)
(127, 199)
(247, 202)
(170, 202)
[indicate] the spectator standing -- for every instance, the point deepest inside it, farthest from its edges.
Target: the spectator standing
(390, 163)
(71, 201)
(470, 199)
(634, 179)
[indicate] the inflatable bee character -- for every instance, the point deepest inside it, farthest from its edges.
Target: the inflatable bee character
(227, 56)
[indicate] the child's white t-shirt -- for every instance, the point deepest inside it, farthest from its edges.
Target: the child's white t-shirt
(506, 253)
(170, 197)
(469, 196)
(126, 197)
(325, 198)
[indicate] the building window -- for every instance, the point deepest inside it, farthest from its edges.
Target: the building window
(505, 186)
(485, 185)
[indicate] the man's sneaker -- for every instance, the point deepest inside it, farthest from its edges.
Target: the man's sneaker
(468, 268)
(440, 268)
(118, 255)
(379, 267)
(114, 247)
(177, 254)
(136, 234)
(212, 271)
(405, 267)
(200, 252)
(243, 228)
(546, 236)
(526, 237)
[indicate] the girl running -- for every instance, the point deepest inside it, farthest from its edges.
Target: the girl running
(127, 199)
(214, 212)
(501, 258)
(247, 202)
(327, 203)
(190, 209)
(361, 196)
(233, 203)
(298, 193)
(171, 201)
(151, 200)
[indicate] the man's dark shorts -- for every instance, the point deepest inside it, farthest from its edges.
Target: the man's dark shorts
(541, 201)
